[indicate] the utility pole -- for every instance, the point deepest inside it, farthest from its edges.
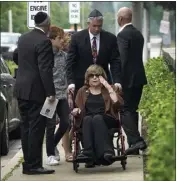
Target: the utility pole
(115, 6)
(83, 15)
(146, 33)
(141, 20)
(10, 28)
(137, 10)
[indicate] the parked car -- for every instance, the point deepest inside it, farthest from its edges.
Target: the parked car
(71, 31)
(9, 114)
(8, 44)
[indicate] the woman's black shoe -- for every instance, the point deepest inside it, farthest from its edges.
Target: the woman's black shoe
(108, 157)
(89, 165)
(83, 157)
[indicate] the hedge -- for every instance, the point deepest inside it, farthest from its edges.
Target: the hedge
(12, 66)
(157, 108)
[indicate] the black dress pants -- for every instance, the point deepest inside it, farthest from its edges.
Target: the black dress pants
(96, 138)
(53, 139)
(129, 114)
(32, 132)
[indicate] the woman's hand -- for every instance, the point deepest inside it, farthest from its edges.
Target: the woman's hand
(112, 93)
(76, 111)
(105, 83)
(70, 101)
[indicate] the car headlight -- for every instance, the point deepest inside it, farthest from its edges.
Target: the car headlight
(2, 96)
(12, 48)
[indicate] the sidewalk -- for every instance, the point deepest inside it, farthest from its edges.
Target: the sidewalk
(64, 171)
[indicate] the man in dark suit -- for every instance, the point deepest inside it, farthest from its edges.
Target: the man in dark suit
(89, 46)
(34, 82)
(130, 44)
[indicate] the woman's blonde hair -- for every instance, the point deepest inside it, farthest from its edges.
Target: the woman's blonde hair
(66, 41)
(94, 69)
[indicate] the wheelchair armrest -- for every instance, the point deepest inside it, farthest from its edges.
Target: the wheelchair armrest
(112, 131)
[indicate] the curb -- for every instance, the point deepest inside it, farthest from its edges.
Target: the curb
(12, 164)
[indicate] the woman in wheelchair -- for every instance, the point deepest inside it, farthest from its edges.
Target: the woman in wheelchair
(97, 105)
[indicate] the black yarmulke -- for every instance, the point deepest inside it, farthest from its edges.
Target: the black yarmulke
(95, 13)
(40, 17)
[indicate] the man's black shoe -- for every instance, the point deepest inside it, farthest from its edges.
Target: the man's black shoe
(140, 145)
(136, 152)
(38, 171)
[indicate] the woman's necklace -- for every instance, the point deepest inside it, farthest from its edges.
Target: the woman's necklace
(95, 91)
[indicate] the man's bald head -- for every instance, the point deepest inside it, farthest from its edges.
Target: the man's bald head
(124, 16)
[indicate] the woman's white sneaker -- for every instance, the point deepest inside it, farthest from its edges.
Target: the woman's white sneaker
(51, 160)
(57, 154)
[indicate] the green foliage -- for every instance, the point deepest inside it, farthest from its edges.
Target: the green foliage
(12, 66)
(167, 5)
(158, 109)
(19, 16)
(59, 12)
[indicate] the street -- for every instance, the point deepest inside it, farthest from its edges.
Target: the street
(14, 147)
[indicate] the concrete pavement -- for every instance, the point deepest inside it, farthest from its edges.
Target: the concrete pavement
(64, 171)
(14, 147)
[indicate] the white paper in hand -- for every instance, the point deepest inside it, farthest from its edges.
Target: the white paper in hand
(49, 108)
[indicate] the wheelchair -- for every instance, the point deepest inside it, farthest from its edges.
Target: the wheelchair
(115, 133)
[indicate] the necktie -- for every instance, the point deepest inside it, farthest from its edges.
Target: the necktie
(94, 50)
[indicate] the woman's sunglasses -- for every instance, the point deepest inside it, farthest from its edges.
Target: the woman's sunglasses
(92, 75)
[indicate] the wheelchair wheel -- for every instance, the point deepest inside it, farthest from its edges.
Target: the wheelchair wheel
(75, 166)
(123, 163)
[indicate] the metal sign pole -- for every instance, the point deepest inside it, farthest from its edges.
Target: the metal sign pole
(75, 27)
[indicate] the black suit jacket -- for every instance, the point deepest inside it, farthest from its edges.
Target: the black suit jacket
(130, 44)
(80, 57)
(34, 79)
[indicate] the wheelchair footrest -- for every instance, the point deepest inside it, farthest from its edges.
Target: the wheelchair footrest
(119, 158)
(83, 160)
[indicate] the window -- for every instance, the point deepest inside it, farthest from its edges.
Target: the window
(9, 38)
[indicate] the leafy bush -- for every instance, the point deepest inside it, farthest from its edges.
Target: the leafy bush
(12, 66)
(158, 110)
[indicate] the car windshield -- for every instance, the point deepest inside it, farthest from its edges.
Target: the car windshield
(9, 38)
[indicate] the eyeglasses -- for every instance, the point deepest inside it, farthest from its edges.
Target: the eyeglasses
(92, 75)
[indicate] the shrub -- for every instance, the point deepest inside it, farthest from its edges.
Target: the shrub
(157, 108)
(12, 66)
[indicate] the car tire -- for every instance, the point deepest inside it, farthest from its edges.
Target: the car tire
(16, 134)
(5, 136)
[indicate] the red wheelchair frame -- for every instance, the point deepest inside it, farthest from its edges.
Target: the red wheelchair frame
(120, 145)
(120, 142)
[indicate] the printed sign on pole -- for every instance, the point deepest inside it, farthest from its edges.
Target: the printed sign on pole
(164, 27)
(74, 12)
(33, 8)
